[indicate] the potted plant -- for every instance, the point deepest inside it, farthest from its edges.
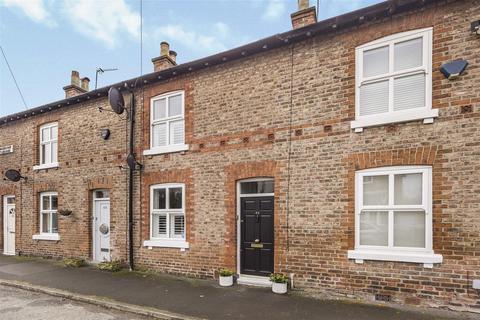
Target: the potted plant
(225, 278)
(279, 283)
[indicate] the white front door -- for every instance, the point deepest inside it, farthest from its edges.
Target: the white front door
(9, 225)
(101, 230)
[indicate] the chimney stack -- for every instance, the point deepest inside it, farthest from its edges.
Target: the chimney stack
(167, 58)
(305, 15)
(75, 88)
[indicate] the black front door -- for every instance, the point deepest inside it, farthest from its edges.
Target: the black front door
(256, 239)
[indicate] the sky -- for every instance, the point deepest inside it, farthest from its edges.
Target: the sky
(44, 40)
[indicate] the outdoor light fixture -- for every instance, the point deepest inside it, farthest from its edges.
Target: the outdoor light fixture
(452, 70)
(105, 133)
(475, 27)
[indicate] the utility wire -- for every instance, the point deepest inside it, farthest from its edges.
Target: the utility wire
(141, 37)
(14, 80)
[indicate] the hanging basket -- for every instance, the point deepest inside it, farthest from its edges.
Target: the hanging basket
(65, 212)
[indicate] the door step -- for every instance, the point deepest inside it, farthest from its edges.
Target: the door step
(255, 281)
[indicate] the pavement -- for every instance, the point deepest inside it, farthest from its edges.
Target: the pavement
(193, 297)
(17, 304)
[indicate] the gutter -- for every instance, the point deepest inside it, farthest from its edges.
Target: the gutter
(331, 25)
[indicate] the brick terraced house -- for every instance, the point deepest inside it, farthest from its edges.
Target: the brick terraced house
(344, 153)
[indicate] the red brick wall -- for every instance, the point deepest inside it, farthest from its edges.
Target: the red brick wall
(238, 125)
(86, 162)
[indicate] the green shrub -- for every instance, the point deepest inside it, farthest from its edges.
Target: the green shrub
(278, 278)
(73, 262)
(225, 272)
(112, 266)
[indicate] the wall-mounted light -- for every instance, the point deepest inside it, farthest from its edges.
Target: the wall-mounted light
(105, 133)
(475, 27)
(452, 70)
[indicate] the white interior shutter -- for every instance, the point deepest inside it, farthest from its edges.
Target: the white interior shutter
(159, 132)
(408, 54)
(375, 62)
(54, 134)
(177, 226)
(176, 132)
(374, 98)
(159, 109)
(45, 134)
(409, 92)
(159, 228)
(54, 152)
(48, 153)
(175, 106)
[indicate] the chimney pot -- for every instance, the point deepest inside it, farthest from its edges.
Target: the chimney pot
(173, 55)
(75, 78)
(303, 4)
(164, 48)
(85, 83)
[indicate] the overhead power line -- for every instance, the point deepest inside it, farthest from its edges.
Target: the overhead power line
(13, 76)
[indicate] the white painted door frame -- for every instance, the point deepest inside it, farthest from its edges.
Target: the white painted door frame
(8, 226)
(98, 253)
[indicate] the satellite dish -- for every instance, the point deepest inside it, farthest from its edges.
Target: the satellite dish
(115, 98)
(13, 175)
(132, 162)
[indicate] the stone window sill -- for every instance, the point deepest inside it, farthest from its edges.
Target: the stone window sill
(383, 119)
(47, 237)
(166, 149)
(427, 258)
(46, 166)
(166, 243)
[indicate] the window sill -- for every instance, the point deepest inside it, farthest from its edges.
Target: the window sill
(428, 259)
(387, 118)
(167, 149)
(46, 166)
(48, 237)
(166, 243)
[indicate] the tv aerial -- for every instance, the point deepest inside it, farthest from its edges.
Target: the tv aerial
(101, 71)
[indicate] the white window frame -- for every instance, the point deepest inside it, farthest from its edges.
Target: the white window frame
(389, 252)
(53, 236)
(426, 113)
(169, 147)
(50, 164)
(167, 241)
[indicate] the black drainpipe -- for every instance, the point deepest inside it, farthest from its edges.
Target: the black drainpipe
(131, 170)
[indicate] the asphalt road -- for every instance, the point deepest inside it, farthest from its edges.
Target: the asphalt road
(17, 304)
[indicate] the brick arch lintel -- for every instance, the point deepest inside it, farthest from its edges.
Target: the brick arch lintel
(424, 155)
(242, 171)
